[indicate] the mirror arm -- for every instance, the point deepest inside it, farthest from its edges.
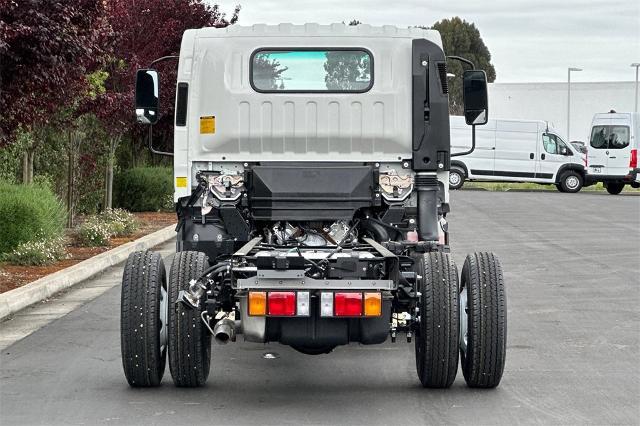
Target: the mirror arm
(473, 143)
(164, 58)
(464, 60)
(154, 151)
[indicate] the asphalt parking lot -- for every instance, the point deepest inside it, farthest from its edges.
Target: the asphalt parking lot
(572, 267)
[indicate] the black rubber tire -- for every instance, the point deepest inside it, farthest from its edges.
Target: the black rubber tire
(572, 176)
(460, 172)
(436, 341)
(614, 188)
(143, 358)
(559, 187)
(189, 339)
(484, 360)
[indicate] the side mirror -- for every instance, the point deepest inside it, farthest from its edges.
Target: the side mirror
(147, 96)
(476, 110)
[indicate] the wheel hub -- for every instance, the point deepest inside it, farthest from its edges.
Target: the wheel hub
(164, 306)
(463, 320)
(572, 182)
(454, 178)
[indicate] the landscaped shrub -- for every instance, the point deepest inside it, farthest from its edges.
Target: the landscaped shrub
(37, 253)
(94, 232)
(144, 189)
(120, 222)
(28, 213)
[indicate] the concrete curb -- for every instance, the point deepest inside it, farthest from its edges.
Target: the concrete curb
(14, 300)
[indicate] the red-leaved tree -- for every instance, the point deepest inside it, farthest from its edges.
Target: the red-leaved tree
(144, 30)
(46, 48)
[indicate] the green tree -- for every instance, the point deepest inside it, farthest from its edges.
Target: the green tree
(347, 70)
(462, 38)
(267, 72)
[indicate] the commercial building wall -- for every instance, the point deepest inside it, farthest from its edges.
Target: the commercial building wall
(548, 101)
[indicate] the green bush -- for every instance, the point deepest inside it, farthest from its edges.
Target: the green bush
(37, 253)
(28, 213)
(121, 223)
(94, 232)
(144, 189)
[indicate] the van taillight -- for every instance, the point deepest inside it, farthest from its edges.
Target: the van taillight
(633, 161)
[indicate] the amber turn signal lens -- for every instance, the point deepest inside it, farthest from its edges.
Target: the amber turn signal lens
(372, 304)
(257, 303)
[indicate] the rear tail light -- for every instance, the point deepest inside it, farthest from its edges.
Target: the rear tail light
(348, 304)
(372, 304)
(282, 303)
(303, 304)
(633, 161)
(257, 303)
(326, 304)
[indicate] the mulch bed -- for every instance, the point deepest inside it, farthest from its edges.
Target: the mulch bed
(12, 276)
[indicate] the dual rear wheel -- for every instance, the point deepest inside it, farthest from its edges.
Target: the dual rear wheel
(152, 325)
(468, 318)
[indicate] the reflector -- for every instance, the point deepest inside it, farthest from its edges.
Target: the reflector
(372, 304)
(303, 304)
(257, 303)
(348, 304)
(326, 304)
(282, 303)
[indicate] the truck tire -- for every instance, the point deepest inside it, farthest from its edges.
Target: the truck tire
(436, 342)
(143, 319)
(189, 339)
(571, 181)
(456, 177)
(614, 188)
(483, 321)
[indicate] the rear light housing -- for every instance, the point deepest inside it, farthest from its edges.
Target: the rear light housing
(372, 304)
(257, 303)
(281, 303)
(633, 160)
(348, 304)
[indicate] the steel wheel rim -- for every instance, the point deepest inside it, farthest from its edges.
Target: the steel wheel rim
(571, 182)
(454, 178)
(463, 320)
(164, 313)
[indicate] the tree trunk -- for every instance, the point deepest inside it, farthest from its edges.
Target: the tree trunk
(25, 168)
(108, 196)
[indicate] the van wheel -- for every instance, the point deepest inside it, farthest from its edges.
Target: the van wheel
(571, 181)
(456, 177)
(614, 188)
(483, 321)
(189, 339)
(437, 336)
(143, 319)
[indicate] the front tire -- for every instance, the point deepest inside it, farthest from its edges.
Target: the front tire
(143, 319)
(456, 177)
(483, 310)
(436, 343)
(571, 181)
(189, 339)
(614, 188)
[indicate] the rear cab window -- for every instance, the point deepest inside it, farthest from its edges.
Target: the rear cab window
(609, 137)
(311, 70)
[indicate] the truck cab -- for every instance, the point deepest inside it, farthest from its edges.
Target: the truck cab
(311, 166)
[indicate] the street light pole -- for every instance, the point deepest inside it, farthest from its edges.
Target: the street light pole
(569, 100)
(637, 65)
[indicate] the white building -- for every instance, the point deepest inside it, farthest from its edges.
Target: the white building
(548, 101)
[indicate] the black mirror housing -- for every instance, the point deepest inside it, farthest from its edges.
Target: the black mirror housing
(476, 108)
(147, 96)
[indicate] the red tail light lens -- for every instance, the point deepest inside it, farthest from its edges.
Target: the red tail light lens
(348, 304)
(281, 303)
(633, 161)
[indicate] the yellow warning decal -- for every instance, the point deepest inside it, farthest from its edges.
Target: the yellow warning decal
(181, 182)
(208, 124)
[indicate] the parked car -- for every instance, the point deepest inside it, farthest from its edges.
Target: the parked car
(311, 194)
(613, 150)
(580, 146)
(515, 151)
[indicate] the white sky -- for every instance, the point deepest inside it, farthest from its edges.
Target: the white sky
(534, 40)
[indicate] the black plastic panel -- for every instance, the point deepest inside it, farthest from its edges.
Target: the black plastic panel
(302, 192)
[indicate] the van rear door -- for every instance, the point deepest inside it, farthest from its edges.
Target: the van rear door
(609, 150)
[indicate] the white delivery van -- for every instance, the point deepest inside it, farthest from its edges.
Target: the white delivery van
(515, 151)
(613, 150)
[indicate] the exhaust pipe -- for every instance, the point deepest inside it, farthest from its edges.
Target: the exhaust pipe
(224, 331)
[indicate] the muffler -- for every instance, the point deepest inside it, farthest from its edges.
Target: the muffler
(224, 331)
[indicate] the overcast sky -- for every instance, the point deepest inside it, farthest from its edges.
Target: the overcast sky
(534, 40)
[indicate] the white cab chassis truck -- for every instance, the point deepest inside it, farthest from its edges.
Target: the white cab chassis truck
(311, 187)
(613, 150)
(515, 151)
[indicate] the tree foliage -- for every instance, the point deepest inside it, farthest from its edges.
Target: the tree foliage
(462, 38)
(46, 48)
(347, 70)
(267, 72)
